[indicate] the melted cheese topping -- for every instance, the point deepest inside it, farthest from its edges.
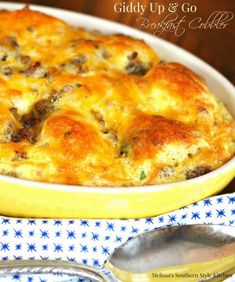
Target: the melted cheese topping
(81, 107)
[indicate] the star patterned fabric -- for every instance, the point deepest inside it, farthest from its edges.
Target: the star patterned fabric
(92, 241)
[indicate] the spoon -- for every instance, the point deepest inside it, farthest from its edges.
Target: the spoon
(179, 253)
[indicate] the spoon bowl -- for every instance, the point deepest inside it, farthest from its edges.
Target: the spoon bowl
(186, 251)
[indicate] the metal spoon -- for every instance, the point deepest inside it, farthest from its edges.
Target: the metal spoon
(181, 253)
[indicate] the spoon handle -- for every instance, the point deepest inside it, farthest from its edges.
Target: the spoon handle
(50, 267)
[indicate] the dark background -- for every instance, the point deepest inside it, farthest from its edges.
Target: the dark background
(216, 47)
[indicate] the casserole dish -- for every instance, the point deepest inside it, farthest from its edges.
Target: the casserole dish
(34, 199)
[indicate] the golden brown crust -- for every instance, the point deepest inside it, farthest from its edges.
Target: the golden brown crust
(80, 107)
(149, 134)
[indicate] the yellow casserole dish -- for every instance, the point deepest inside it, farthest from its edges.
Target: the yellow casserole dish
(34, 199)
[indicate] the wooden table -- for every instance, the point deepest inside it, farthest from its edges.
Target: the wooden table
(215, 46)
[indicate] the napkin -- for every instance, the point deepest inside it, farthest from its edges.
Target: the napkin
(92, 241)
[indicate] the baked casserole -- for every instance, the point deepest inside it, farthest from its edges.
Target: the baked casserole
(80, 107)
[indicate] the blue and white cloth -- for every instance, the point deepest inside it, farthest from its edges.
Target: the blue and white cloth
(91, 242)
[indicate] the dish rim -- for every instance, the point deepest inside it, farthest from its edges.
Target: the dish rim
(147, 37)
